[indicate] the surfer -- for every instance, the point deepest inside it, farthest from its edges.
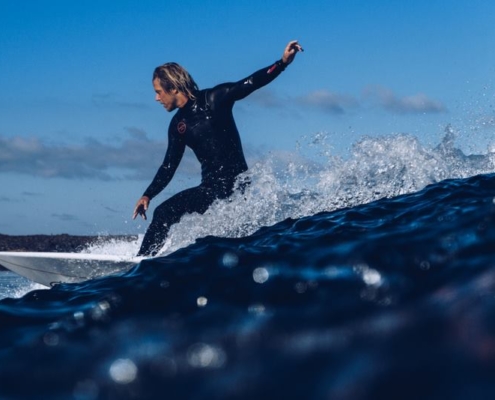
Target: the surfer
(203, 122)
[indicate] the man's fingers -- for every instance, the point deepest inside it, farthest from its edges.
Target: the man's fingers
(140, 210)
(295, 46)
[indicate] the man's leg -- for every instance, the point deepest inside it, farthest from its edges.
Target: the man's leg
(170, 212)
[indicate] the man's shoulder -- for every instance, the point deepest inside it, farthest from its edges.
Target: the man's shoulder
(218, 93)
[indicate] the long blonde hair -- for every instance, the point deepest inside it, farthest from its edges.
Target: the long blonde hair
(172, 76)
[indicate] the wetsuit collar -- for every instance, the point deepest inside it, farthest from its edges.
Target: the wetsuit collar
(189, 105)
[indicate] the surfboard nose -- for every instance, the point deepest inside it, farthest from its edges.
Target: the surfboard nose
(49, 269)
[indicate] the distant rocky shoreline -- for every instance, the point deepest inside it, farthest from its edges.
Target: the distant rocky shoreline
(63, 243)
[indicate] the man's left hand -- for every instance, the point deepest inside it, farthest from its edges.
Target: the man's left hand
(290, 51)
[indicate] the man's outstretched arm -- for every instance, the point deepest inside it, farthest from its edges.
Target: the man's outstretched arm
(239, 90)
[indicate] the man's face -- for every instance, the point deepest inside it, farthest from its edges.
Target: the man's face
(167, 99)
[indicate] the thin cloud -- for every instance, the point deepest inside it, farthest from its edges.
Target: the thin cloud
(31, 194)
(415, 104)
(65, 217)
(137, 133)
(267, 99)
(328, 102)
(136, 157)
(338, 104)
(323, 100)
(112, 210)
(112, 100)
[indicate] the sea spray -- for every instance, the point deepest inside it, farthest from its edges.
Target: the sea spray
(313, 179)
(281, 188)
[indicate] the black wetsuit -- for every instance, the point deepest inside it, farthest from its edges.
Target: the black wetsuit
(207, 126)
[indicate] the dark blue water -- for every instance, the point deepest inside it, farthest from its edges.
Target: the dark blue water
(394, 299)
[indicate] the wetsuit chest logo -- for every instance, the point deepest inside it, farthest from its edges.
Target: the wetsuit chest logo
(181, 127)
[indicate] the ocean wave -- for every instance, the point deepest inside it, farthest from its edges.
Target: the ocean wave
(364, 278)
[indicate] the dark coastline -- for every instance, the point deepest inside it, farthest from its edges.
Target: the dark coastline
(63, 243)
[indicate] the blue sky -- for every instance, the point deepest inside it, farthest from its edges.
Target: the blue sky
(81, 135)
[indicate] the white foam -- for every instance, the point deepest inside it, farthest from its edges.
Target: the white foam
(295, 186)
(120, 247)
(15, 286)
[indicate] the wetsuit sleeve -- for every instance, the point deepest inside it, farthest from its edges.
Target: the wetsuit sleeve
(173, 156)
(239, 90)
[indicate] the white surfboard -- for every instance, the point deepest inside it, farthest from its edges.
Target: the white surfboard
(52, 268)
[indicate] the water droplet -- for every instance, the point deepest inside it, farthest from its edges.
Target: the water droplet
(369, 275)
(256, 308)
(78, 320)
(79, 316)
(372, 277)
(301, 287)
(424, 265)
(123, 371)
(51, 339)
(100, 311)
(201, 355)
(230, 260)
(260, 275)
(202, 301)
